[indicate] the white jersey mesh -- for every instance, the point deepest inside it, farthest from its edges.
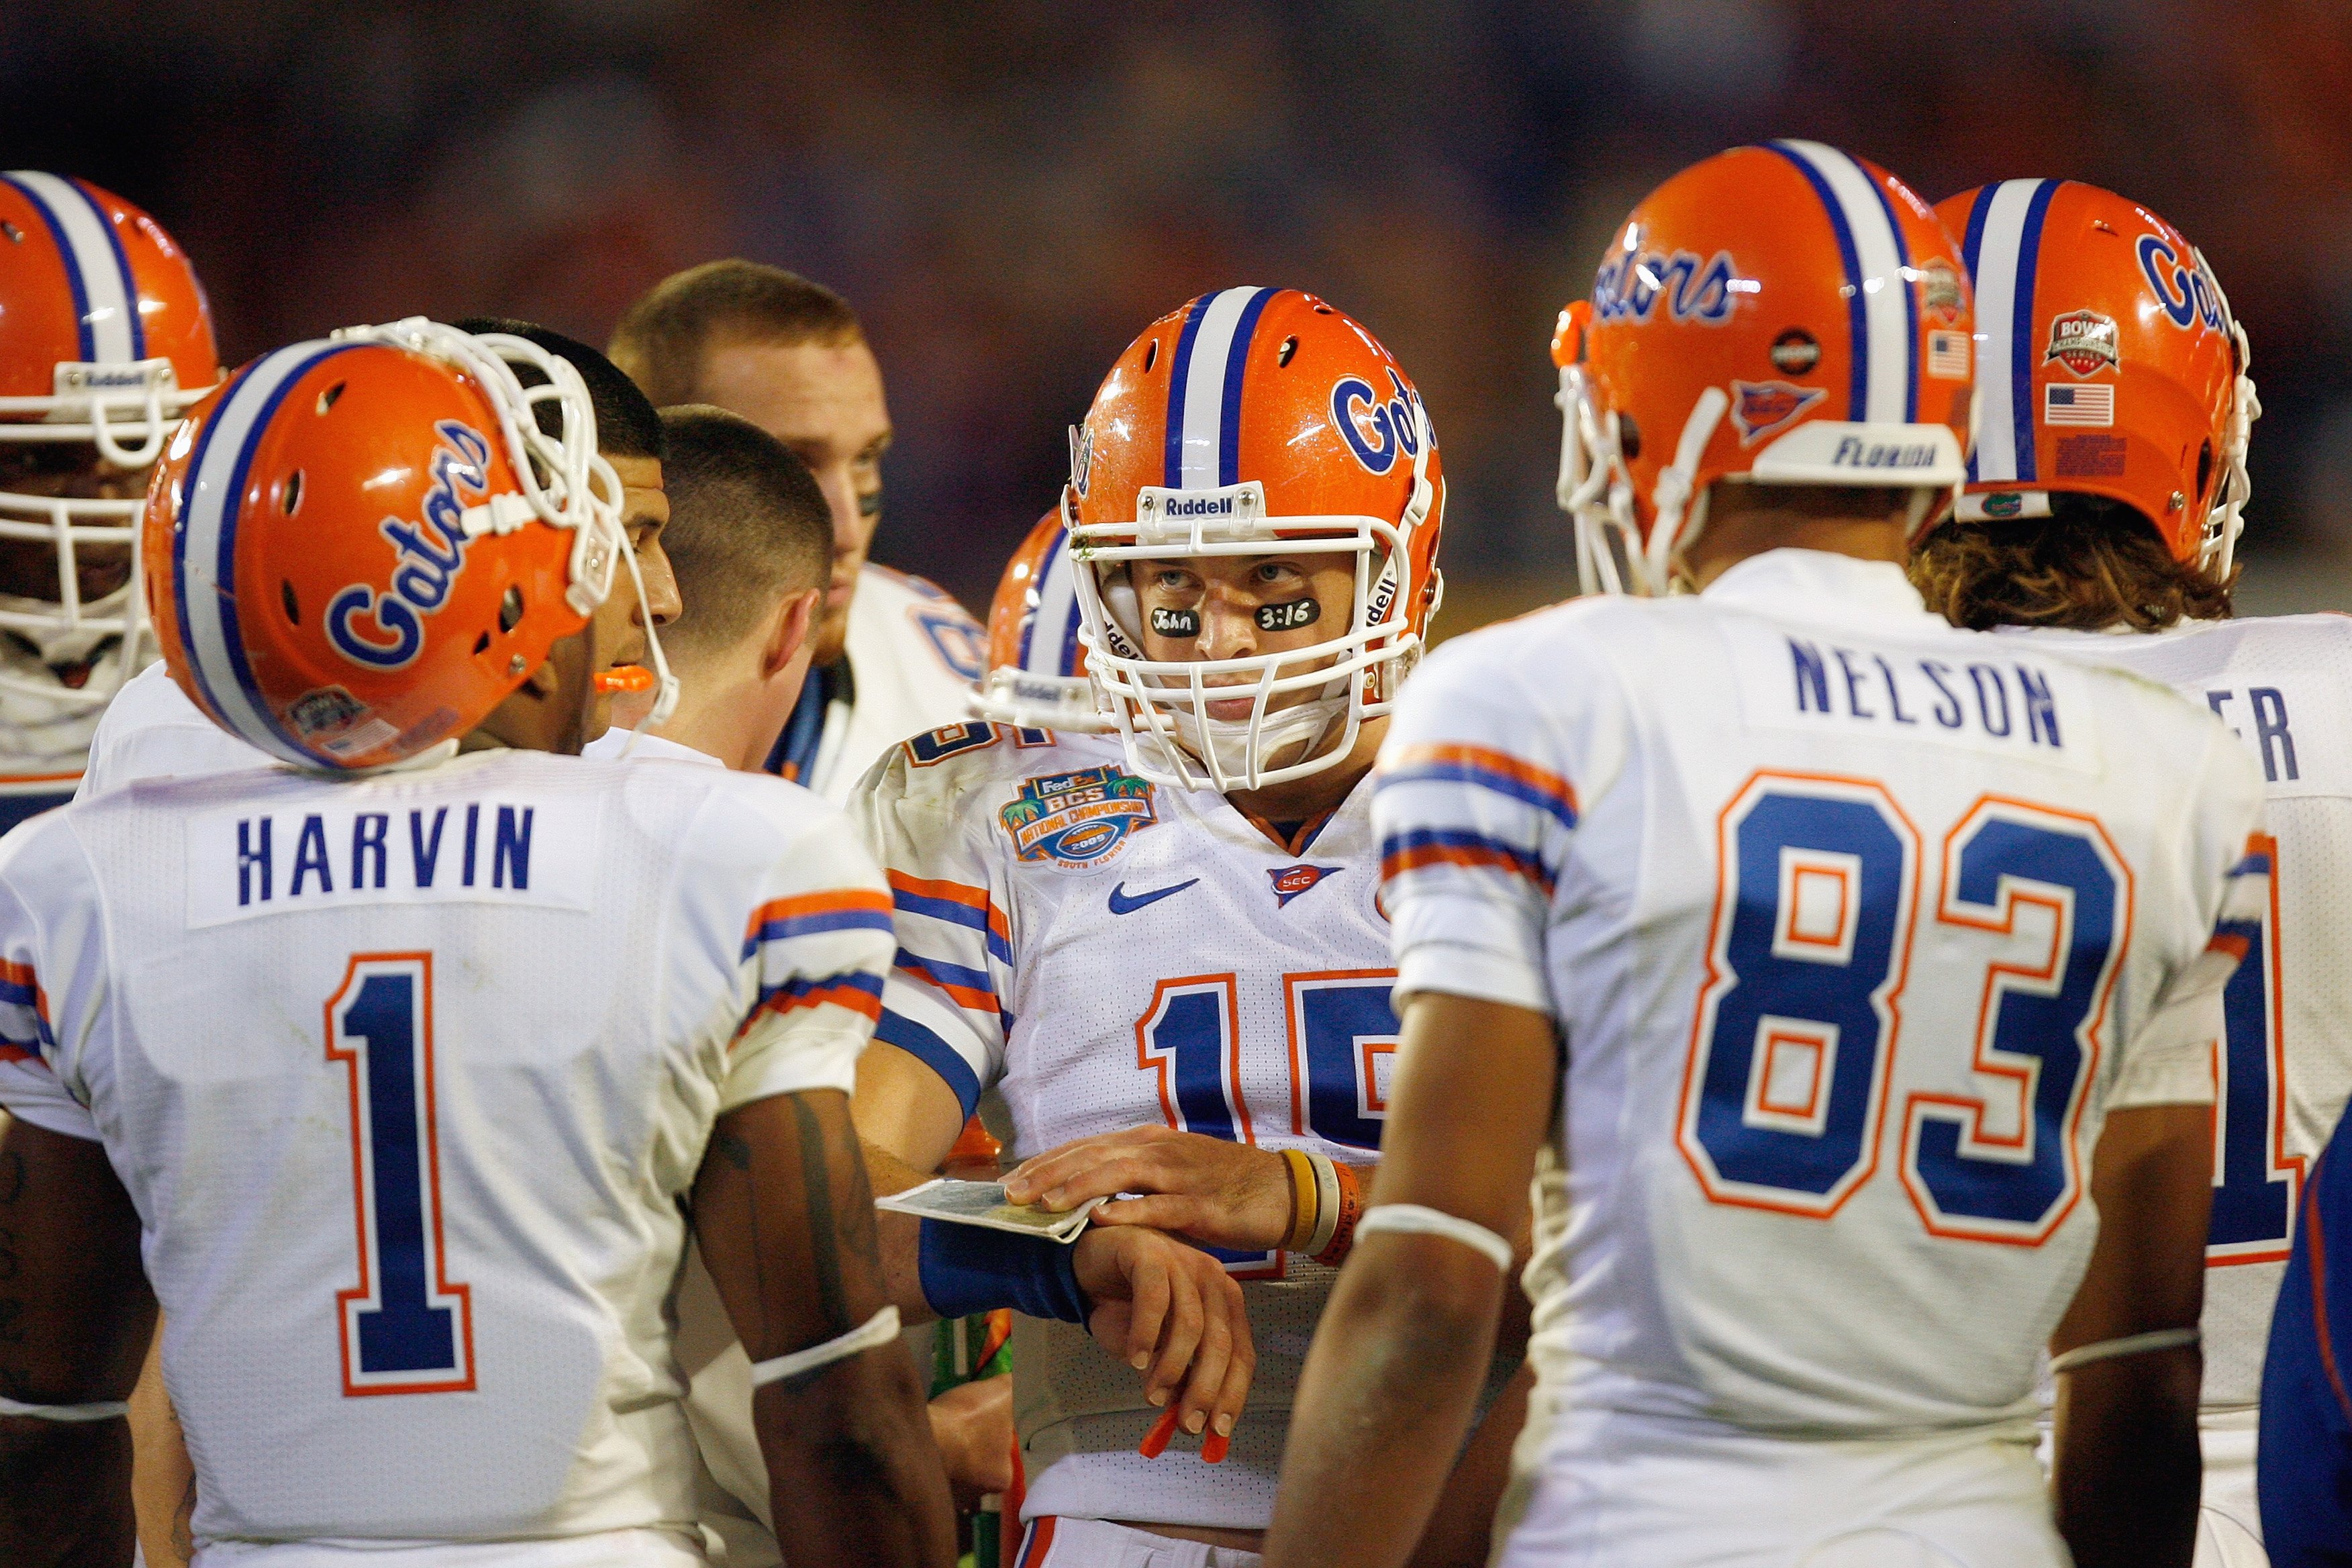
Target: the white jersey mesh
(1191, 972)
(2284, 686)
(1756, 851)
(409, 1131)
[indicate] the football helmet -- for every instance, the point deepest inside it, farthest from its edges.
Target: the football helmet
(1776, 314)
(2083, 296)
(1254, 422)
(105, 340)
(358, 546)
(1036, 668)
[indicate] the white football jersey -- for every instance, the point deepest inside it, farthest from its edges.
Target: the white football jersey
(1113, 953)
(152, 730)
(2283, 687)
(912, 656)
(45, 738)
(1855, 926)
(408, 1078)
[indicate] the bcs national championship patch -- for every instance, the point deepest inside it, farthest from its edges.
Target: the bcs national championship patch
(1078, 820)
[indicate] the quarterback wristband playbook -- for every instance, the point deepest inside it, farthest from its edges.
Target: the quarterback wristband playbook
(878, 1330)
(966, 1269)
(1326, 1202)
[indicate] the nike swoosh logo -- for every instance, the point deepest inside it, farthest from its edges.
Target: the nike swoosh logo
(1120, 904)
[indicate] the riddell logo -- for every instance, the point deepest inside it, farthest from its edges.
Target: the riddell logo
(1205, 506)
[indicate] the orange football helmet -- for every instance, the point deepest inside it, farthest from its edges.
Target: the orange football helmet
(1036, 674)
(2083, 296)
(1252, 421)
(1776, 314)
(357, 546)
(105, 340)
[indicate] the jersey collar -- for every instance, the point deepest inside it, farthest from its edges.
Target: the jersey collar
(1841, 587)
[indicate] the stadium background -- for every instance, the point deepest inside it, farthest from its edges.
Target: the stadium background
(1007, 190)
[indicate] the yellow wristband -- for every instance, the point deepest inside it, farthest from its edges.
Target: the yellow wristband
(1305, 1206)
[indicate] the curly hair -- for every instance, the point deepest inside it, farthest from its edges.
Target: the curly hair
(2093, 564)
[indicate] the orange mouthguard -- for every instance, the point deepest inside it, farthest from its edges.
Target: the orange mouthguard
(623, 678)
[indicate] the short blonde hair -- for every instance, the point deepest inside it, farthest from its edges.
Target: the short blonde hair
(662, 338)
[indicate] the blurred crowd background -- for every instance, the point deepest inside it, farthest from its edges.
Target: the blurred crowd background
(1008, 190)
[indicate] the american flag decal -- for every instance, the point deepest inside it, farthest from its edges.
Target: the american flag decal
(2078, 404)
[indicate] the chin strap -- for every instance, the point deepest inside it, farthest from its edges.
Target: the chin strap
(1678, 520)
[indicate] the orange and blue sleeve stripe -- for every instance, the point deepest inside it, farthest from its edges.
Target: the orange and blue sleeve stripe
(1421, 849)
(956, 903)
(926, 1045)
(23, 1016)
(814, 914)
(972, 988)
(858, 990)
(1483, 768)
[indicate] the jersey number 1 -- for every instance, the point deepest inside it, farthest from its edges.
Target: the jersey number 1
(406, 1327)
(2255, 1181)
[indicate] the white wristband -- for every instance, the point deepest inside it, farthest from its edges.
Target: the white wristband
(2130, 1344)
(1327, 1200)
(102, 1410)
(878, 1330)
(1413, 1219)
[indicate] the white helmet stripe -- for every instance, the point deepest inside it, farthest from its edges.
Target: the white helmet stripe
(1053, 633)
(204, 570)
(1205, 394)
(2000, 255)
(105, 294)
(1859, 213)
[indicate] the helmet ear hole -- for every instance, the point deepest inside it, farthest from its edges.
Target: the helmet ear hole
(286, 597)
(327, 398)
(1629, 436)
(2204, 469)
(509, 609)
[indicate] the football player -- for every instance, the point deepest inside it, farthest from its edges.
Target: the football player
(739, 501)
(895, 655)
(483, 1015)
(1162, 944)
(105, 340)
(2306, 1416)
(1815, 945)
(2106, 496)
(1036, 665)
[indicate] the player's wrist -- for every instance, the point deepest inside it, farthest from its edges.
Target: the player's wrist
(1326, 1201)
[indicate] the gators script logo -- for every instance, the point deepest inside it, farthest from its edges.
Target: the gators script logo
(1077, 820)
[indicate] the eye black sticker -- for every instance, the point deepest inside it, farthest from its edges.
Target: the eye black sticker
(1170, 623)
(1288, 617)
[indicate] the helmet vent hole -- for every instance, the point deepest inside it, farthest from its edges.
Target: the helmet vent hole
(16, 235)
(286, 597)
(1290, 347)
(293, 499)
(2204, 469)
(1325, 310)
(1151, 353)
(327, 398)
(482, 643)
(510, 608)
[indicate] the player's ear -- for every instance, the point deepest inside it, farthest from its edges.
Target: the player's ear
(795, 616)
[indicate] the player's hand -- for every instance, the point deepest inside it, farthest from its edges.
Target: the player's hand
(1216, 1192)
(1172, 1312)
(972, 1425)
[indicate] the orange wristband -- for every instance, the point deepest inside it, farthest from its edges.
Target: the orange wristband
(1352, 1209)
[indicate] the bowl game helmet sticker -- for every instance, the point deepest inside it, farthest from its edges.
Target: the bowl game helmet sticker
(1078, 820)
(2083, 341)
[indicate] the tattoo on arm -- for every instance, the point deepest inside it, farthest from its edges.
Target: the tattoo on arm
(822, 1224)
